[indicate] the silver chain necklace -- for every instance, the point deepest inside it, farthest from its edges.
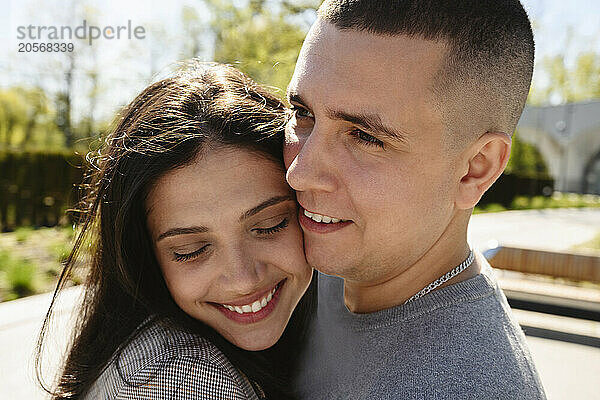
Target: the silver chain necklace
(435, 284)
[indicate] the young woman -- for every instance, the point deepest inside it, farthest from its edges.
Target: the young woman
(197, 261)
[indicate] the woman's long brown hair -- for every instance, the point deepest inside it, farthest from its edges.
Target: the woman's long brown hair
(165, 127)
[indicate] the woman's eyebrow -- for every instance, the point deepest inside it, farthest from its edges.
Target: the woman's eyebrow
(265, 204)
(182, 231)
(247, 214)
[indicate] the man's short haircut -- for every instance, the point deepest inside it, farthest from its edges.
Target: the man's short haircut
(485, 75)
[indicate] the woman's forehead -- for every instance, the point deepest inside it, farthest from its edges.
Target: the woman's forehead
(220, 184)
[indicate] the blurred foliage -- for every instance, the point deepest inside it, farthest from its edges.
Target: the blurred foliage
(59, 250)
(27, 119)
(23, 233)
(192, 30)
(557, 200)
(262, 38)
(26, 267)
(17, 277)
(526, 160)
(579, 82)
(486, 208)
(592, 244)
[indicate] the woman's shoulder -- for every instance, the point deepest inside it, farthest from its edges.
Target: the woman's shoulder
(161, 340)
(164, 361)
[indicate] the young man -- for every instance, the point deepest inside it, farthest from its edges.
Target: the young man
(402, 118)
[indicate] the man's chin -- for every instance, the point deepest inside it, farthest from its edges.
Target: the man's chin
(325, 266)
(330, 258)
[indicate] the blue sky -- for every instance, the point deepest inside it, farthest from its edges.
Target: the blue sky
(552, 19)
(128, 65)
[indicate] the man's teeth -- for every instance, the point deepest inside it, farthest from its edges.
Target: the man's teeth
(254, 307)
(323, 218)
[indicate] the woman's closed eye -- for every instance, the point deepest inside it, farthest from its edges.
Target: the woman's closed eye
(180, 256)
(183, 257)
(273, 229)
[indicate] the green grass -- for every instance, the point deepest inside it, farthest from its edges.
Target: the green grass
(59, 250)
(23, 233)
(492, 207)
(18, 277)
(558, 200)
(31, 260)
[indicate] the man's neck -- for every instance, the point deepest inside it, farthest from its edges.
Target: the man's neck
(362, 297)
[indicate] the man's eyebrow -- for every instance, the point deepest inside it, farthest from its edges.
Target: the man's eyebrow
(370, 122)
(265, 204)
(294, 97)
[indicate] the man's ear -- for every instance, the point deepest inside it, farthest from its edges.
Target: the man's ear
(486, 159)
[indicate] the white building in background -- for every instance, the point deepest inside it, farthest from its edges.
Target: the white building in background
(568, 136)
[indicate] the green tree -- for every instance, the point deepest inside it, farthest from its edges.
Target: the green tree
(12, 115)
(27, 119)
(192, 31)
(580, 82)
(526, 160)
(261, 37)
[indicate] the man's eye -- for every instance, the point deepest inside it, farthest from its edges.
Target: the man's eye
(189, 256)
(300, 112)
(269, 231)
(364, 138)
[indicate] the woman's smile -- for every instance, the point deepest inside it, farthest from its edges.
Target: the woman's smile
(251, 312)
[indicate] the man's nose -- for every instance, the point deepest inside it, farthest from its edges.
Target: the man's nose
(310, 168)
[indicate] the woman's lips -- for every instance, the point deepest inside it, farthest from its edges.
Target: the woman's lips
(249, 299)
(249, 316)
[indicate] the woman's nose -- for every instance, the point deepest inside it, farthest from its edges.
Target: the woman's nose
(243, 272)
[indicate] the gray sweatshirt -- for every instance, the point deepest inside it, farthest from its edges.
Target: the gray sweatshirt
(457, 342)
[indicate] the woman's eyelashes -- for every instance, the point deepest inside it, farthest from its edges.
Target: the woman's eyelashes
(184, 257)
(179, 257)
(271, 230)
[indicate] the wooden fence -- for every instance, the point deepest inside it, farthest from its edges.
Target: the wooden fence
(576, 267)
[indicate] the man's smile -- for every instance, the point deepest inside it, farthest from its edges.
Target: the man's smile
(320, 223)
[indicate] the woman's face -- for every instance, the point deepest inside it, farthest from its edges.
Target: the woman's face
(226, 236)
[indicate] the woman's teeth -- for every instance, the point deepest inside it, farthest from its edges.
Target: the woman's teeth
(254, 307)
(323, 218)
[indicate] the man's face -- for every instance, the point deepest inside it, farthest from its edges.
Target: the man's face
(364, 144)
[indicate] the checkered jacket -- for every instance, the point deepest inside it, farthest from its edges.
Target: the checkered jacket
(168, 363)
